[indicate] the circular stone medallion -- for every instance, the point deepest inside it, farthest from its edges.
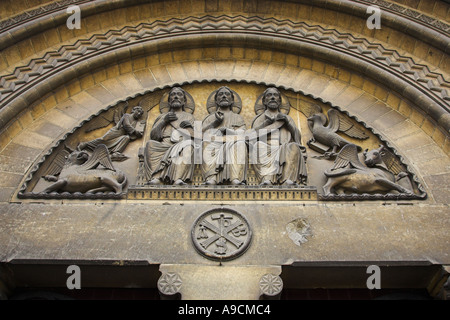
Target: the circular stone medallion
(221, 234)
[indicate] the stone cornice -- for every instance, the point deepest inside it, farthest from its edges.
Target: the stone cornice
(428, 90)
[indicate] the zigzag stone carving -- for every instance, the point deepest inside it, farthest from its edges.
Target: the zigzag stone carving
(26, 16)
(411, 14)
(432, 84)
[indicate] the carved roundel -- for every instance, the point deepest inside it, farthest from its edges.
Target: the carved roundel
(169, 283)
(211, 103)
(270, 284)
(221, 234)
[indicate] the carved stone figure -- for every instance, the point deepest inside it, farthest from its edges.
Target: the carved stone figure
(280, 157)
(127, 127)
(224, 147)
(327, 134)
(349, 175)
(168, 156)
(384, 160)
(81, 173)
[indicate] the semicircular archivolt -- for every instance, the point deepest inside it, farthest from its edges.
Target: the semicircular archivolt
(416, 82)
(409, 21)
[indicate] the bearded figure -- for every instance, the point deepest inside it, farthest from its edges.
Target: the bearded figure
(280, 157)
(168, 155)
(224, 147)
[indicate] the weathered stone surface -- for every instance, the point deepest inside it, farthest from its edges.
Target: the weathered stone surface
(161, 233)
(235, 282)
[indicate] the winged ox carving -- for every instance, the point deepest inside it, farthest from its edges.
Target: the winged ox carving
(380, 173)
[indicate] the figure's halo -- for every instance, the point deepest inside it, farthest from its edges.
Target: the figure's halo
(188, 107)
(211, 103)
(285, 104)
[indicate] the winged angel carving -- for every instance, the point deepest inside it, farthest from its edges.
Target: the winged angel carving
(382, 172)
(327, 133)
(127, 127)
(77, 171)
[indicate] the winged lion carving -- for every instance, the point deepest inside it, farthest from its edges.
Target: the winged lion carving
(77, 171)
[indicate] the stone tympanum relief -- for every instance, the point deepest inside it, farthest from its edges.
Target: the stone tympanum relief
(210, 141)
(325, 132)
(348, 174)
(127, 127)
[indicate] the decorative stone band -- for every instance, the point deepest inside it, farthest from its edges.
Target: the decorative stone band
(220, 193)
(54, 14)
(411, 14)
(138, 192)
(414, 82)
(24, 18)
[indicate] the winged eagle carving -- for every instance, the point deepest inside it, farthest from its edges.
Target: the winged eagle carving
(325, 130)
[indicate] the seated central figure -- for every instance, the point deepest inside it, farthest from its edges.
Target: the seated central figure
(224, 148)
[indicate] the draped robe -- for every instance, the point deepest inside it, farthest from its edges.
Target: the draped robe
(169, 155)
(224, 157)
(118, 137)
(279, 154)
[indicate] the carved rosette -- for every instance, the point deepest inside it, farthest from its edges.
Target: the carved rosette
(169, 284)
(270, 285)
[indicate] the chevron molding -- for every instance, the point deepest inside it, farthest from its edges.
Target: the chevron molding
(370, 57)
(41, 11)
(407, 12)
(411, 14)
